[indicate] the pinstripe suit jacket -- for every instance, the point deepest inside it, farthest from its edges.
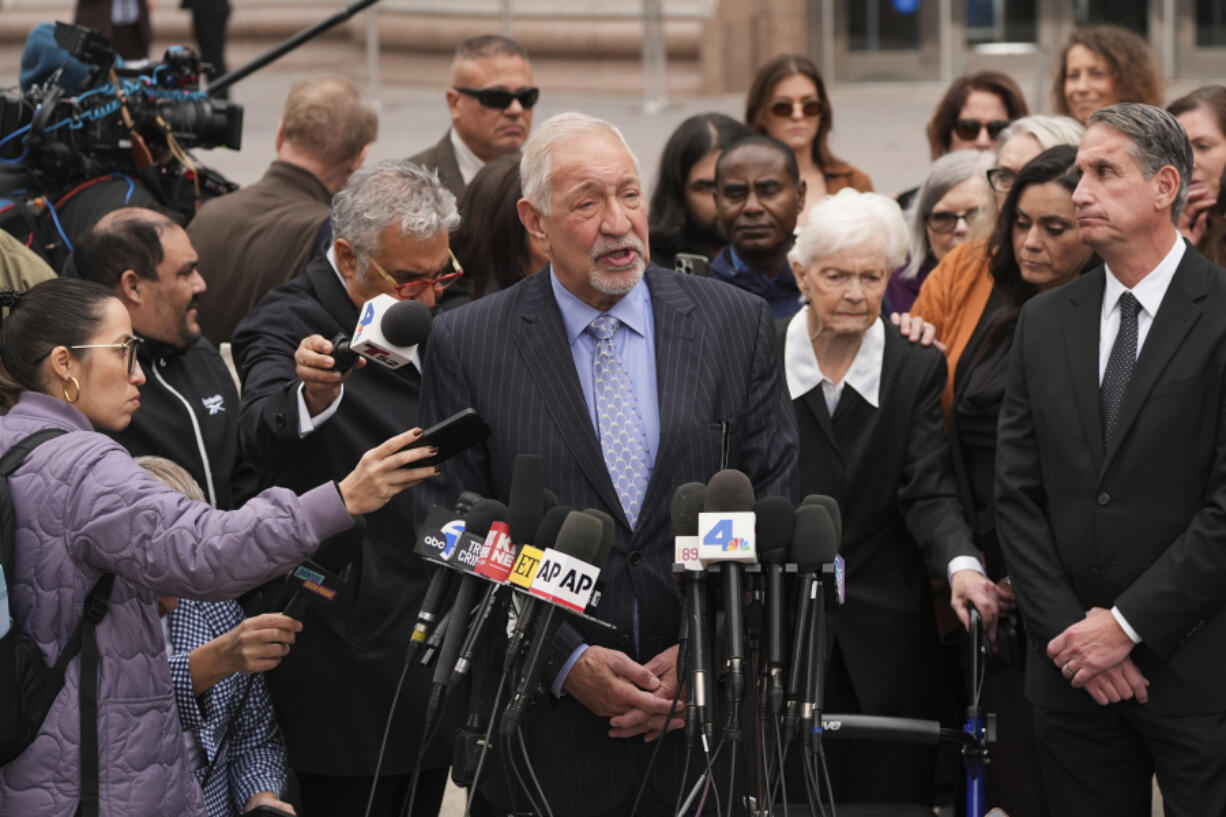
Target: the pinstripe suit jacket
(717, 368)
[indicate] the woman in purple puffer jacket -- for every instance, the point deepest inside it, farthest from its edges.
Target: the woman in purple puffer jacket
(84, 508)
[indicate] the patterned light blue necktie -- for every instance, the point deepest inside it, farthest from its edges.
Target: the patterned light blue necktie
(619, 424)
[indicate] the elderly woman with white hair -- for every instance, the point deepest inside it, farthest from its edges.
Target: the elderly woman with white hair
(868, 413)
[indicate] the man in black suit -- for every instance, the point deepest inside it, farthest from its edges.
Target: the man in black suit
(1111, 479)
(696, 376)
(490, 101)
(299, 421)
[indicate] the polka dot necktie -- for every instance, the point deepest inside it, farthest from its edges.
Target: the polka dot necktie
(623, 440)
(1119, 365)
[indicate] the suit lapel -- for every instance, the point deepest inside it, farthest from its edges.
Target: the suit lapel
(545, 350)
(678, 348)
(1175, 318)
(1081, 329)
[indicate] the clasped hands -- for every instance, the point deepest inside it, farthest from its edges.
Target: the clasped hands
(1094, 654)
(634, 697)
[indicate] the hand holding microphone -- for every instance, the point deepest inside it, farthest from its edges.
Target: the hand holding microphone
(320, 372)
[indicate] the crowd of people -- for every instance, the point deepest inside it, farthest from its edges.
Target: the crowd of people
(1011, 378)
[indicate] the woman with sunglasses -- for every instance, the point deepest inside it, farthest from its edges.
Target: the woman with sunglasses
(84, 509)
(1036, 247)
(788, 101)
(973, 112)
(953, 205)
(954, 294)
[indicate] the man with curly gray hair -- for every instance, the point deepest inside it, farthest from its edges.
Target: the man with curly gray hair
(300, 419)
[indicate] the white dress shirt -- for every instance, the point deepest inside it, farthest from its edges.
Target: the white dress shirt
(468, 162)
(307, 423)
(1149, 292)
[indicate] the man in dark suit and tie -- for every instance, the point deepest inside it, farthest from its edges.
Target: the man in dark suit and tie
(490, 101)
(604, 359)
(1111, 485)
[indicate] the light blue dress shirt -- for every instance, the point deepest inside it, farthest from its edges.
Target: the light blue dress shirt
(635, 343)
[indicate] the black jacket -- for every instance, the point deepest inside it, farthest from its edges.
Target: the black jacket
(189, 413)
(333, 691)
(889, 470)
(1139, 524)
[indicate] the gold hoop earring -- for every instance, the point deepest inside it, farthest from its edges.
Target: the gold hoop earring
(76, 394)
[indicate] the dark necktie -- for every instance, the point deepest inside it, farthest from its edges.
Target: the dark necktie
(1119, 366)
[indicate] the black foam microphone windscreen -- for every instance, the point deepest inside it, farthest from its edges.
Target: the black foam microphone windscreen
(406, 323)
(774, 526)
(482, 514)
(606, 535)
(551, 523)
(526, 505)
(688, 501)
(729, 491)
(814, 539)
(832, 508)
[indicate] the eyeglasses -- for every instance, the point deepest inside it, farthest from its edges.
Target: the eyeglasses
(129, 346)
(942, 223)
(969, 129)
(784, 109)
(500, 99)
(411, 289)
(1001, 179)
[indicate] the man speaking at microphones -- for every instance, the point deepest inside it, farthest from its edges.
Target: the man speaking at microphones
(301, 420)
(628, 380)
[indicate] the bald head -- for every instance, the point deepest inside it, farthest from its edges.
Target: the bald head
(129, 238)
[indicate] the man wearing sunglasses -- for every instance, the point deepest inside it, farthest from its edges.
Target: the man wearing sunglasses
(301, 420)
(490, 100)
(189, 406)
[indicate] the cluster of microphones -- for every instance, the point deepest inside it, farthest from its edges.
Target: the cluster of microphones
(763, 560)
(525, 566)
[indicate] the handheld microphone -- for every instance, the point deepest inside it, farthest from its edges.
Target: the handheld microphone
(465, 558)
(832, 508)
(806, 553)
(602, 554)
(731, 492)
(386, 333)
(523, 517)
(821, 553)
(688, 501)
(579, 539)
(545, 538)
(775, 521)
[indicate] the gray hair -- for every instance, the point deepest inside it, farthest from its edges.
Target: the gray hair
(946, 173)
(391, 193)
(1158, 141)
(1048, 131)
(534, 167)
(850, 219)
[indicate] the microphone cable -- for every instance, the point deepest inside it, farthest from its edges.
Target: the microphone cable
(387, 730)
(672, 710)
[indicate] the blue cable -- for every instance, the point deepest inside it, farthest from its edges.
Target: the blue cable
(131, 187)
(56, 219)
